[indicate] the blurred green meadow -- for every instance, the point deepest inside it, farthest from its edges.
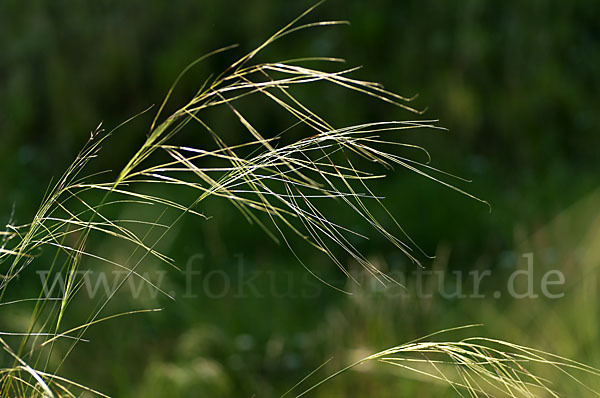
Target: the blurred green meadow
(515, 83)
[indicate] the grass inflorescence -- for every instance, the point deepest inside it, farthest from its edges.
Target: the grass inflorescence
(277, 185)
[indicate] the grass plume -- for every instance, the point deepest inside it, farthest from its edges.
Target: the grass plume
(276, 185)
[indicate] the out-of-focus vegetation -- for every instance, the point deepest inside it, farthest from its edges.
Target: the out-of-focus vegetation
(515, 83)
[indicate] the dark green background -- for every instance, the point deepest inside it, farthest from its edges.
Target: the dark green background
(516, 84)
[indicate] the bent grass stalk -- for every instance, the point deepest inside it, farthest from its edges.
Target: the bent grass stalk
(283, 182)
(474, 367)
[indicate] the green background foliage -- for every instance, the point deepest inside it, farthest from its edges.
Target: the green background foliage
(516, 83)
